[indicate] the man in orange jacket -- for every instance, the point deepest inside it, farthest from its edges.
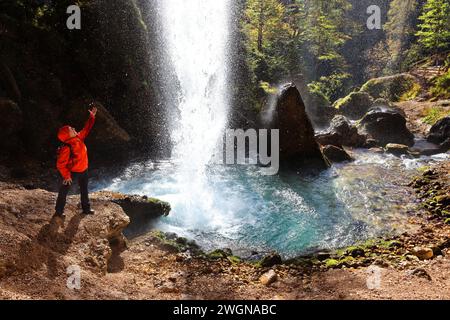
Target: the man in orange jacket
(72, 163)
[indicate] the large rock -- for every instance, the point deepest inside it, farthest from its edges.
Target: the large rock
(298, 146)
(383, 104)
(423, 253)
(386, 127)
(342, 133)
(355, 105)
(392, 88)
(142, 210)
(268, 278)
(336, 154)
(440, 131)
(397, 149)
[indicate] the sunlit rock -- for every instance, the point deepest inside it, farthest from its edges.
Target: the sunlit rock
(386, 126)
(355, 105)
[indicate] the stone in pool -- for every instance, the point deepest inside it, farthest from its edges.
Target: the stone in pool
(397, 149)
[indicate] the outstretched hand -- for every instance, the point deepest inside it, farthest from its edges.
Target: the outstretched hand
(93, 111)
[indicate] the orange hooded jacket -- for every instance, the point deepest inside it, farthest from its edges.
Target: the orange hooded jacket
(73, 158)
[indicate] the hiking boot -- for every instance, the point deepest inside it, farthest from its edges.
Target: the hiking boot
(59, 215)
(89, 212)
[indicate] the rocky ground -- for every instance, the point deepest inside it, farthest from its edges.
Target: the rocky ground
(36, 250)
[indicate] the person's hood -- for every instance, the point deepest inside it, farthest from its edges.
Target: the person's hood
(64, 134)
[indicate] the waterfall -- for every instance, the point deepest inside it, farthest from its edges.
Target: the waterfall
(196, 32)
(196, 36)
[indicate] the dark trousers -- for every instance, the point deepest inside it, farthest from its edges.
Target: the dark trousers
(83, 180)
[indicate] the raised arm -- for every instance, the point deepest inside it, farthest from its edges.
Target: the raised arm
(89, 124)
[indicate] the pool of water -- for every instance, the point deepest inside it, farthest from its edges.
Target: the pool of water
(293, 213)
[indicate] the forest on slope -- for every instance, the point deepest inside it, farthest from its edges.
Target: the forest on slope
(328, 46)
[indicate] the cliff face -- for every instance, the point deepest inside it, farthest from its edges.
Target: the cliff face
(49, 74)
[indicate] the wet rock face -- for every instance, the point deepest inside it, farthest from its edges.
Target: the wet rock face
(297, 143)
(386, 126)
(440, 132)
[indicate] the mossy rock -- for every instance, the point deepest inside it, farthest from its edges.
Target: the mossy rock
(172, 243)
(331, 263)
(443, 199)
(271, 260)
(355, 252)
(393, 88)
(355, 105)
(234, 259)
(347, 261)
(219, 254)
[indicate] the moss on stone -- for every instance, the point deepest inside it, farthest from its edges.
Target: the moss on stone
(331, 263)
(234, 259)
(392, 88)
(218, 254)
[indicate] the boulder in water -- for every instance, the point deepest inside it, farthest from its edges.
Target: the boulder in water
(355, 105)
(440, 131)
(397, 149)
(342, 133)
(298, 146)
(386, 126)
(336, 154)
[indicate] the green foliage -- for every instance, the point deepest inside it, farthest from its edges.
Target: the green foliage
(434, 114)
(268, 89)
(305, 37)
(331, 87)
(267, 37)
(412, 93)
(441, 86)
(315, 89)
(434, 33)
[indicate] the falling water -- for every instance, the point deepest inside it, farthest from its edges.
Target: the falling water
(197, 35)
